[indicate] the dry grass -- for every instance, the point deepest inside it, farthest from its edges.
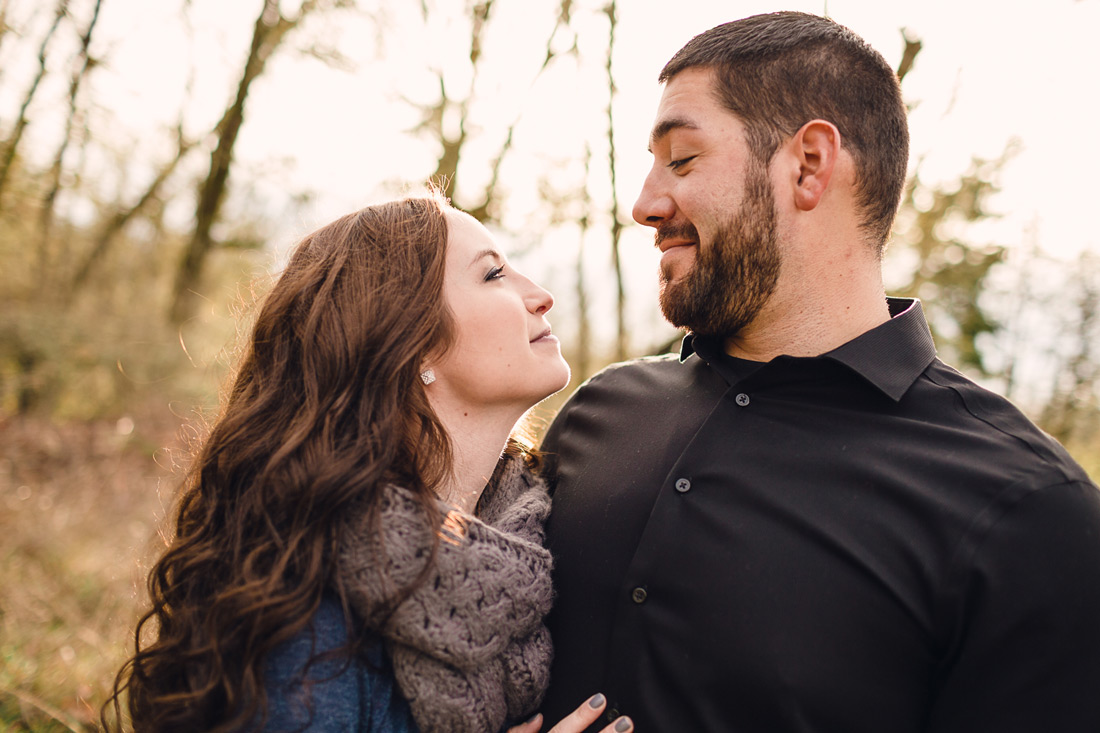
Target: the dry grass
(81, 505)
(80, 509)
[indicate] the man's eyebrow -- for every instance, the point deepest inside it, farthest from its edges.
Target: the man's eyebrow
(485, 253)
(662, 128)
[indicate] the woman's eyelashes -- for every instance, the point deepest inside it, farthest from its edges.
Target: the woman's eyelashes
(495, 273)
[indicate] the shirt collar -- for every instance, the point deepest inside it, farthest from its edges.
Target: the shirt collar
(890, 356)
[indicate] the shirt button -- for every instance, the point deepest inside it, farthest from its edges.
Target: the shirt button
(683, 485)
(742, 399)
(638, 595)
(612, 714)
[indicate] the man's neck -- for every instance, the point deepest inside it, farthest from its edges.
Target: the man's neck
(827, 310)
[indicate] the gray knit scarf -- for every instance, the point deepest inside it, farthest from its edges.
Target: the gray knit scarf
(469, 649)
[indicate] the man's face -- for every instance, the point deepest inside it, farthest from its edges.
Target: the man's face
(712, 205)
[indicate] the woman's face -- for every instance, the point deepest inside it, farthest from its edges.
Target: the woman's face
(503, 354)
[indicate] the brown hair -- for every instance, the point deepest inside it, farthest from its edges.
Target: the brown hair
(326, 408)
(778, 71)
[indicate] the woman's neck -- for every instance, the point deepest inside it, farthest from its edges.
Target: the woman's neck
(477, 440)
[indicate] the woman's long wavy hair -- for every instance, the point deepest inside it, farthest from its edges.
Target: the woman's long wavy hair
(326, 408)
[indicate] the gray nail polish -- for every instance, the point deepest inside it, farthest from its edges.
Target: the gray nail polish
(622, 725)
(595, 701)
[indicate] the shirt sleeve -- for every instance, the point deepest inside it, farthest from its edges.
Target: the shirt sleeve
(331, 696)
(1026, 649)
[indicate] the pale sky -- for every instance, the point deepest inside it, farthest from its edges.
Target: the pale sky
(990, 71)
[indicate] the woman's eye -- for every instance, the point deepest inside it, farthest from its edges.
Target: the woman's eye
(495, 273)
(677, 164)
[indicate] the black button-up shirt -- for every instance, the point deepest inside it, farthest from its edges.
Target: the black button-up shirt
(860, 541)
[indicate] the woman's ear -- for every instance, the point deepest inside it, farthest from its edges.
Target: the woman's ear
(816, 148)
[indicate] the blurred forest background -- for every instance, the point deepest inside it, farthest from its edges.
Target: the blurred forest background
(131, 255)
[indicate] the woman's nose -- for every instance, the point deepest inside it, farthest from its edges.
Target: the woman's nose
(539, 300)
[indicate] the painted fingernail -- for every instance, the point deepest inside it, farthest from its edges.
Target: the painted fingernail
(595, 701)
(533, 718)
(623, 724)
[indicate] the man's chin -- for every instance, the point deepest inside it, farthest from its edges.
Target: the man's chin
(676, 262)
(672, 306)
(671, 276)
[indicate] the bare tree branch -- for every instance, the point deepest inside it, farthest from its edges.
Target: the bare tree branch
(446, 170)
(329, 56)
(481, 212)
(5, 28)
(118, 221)
(46, 216)
(909, 55)
(12, 143)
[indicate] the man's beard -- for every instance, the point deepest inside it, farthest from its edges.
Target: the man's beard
(733, 276)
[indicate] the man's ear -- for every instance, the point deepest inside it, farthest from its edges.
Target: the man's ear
(815, 147)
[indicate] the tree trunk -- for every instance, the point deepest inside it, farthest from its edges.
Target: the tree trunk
(583, 355)
(621, 336)
(269, 30)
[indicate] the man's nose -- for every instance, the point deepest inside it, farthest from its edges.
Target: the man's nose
(653, 205)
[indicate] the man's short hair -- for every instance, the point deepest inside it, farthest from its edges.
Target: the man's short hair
(778, 71)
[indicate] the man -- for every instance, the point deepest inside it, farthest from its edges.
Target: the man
(807, 522)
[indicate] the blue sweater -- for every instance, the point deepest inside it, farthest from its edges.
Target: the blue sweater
(361, 697)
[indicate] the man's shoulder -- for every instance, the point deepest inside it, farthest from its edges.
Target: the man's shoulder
(997, 416)
(623, 397)
(644, 363)
(643, 372)
(638, 386)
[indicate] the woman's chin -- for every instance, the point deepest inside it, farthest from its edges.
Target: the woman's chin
(553, 386)
(563, 379)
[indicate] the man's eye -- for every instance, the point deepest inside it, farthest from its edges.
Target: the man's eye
(495, 273)
(677, 164)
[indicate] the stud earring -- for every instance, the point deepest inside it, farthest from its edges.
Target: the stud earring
(427, 376)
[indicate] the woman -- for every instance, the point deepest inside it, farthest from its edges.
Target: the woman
(339, 562)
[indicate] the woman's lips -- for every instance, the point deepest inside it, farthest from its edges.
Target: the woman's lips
(546, 337)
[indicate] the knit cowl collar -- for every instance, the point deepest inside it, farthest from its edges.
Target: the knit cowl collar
(469, 648)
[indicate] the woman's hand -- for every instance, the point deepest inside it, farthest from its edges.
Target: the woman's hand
(578, 720)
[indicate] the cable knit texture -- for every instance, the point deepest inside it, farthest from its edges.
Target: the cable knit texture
(469, 649)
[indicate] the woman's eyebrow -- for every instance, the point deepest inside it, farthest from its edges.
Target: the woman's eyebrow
(485, 253)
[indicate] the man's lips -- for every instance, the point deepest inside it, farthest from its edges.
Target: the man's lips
(670, 235)
(666, 244)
